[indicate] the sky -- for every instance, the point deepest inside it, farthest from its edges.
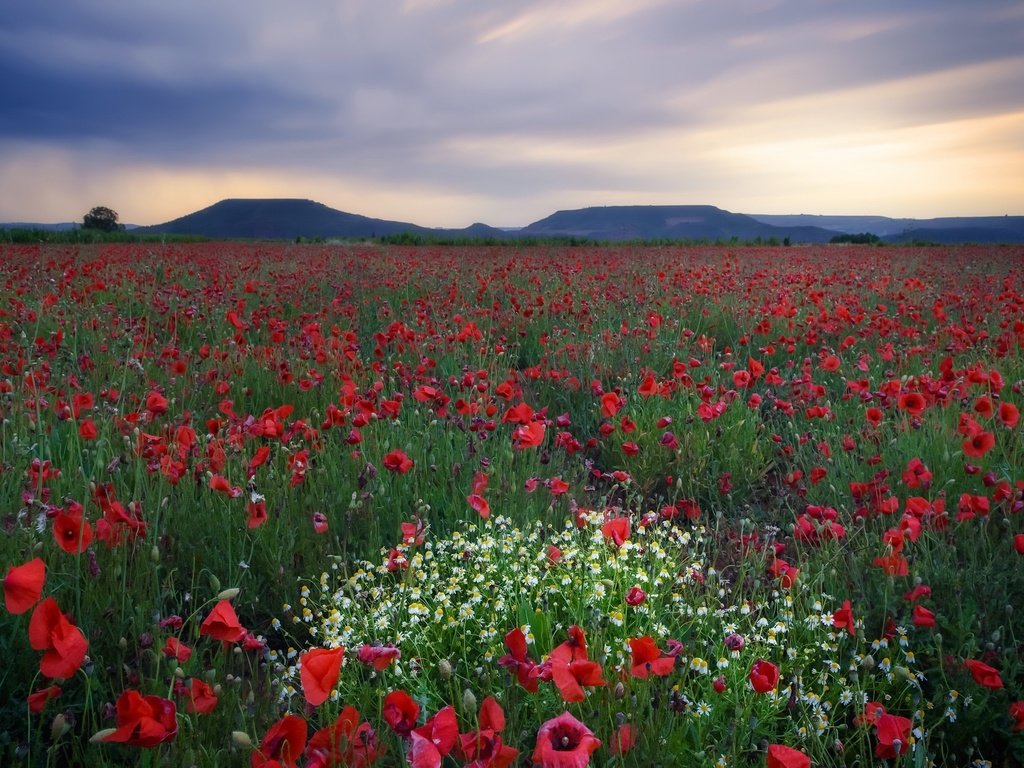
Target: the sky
(448, 112)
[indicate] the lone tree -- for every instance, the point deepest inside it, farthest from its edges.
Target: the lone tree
(101, 218)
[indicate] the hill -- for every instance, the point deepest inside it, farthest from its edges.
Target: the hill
(667, 222)
(947, 230)
(287, 219)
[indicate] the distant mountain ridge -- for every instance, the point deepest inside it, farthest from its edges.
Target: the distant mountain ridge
(290, 218)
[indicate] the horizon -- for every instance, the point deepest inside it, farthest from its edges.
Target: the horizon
(444, 113)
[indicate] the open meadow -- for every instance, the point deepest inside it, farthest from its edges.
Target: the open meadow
(325, 505)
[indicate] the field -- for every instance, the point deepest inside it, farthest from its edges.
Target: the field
(349, 505)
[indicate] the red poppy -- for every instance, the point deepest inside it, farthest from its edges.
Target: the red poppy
(347, 742)
(1017, 713)
(983, 674)
(623, 740)
(483, 748)
(648, 659)
(893, 735)
(564, 742)
(282, 744)
(912, 402)
(843, 619)
(434, 739)
(177, 650)
(72, 532)
(873, 416)
(400, 712)
(610, 404)
(764, 676)
(572, 649)
(37, 701)
(319, 673)
(1018, 543)
(922, 617)
(517, 660)
(144, 721)
(378, 656)
(528, 435)
(635, 596)
(63, 643)
(23, 585)
(780, 756)
(570, 677)
(616, 530)
(1009, 414)
(978, 444)
(256, 513)
(201, 698)
(479, 505)
(397, 461)
(222, 624)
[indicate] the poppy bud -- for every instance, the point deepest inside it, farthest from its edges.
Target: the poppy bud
(620, 691)
(241, 739)
(228, 594)
(444, 669)
(154, 554)
(101, 735)
(59, 727)
(468, 700)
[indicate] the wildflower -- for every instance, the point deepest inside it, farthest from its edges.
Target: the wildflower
(282, 744)
(780, 756)
(143, 721)
(564, 742)
(63, 643)
(23, 585)
(764, 676)
(319, 675)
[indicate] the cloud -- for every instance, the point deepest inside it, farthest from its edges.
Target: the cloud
(499, 109)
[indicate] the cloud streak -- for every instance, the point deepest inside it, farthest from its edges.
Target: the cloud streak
(449, 111)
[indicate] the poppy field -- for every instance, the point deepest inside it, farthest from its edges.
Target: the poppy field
(327, 505)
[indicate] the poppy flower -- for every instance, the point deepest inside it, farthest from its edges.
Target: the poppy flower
(780, 756)
(72, 532)
(483, 748)
(177, 650)
(282, 744)
(429, 743)
(256, 513)
(37, 701)
(319, 673)
(564, 742)
(345, 742)
(635, 596)
(979, 444)
(143, 721)
(1018, 543)
(983, 674)
(479, 505)
(400, 712)
(23, 585)
(1009, 414)
(528, 435)
(843, 619)
(396, 461)
(892, 734)
(63, 643)
(572, 649)
(222, 624)
(517, 660)
(378, 656)
(647, 658)
(764, 676)
(616, 530)
(922, 617)
(570, 677)
(1017, 713)
(201, 698)
(623, 740)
